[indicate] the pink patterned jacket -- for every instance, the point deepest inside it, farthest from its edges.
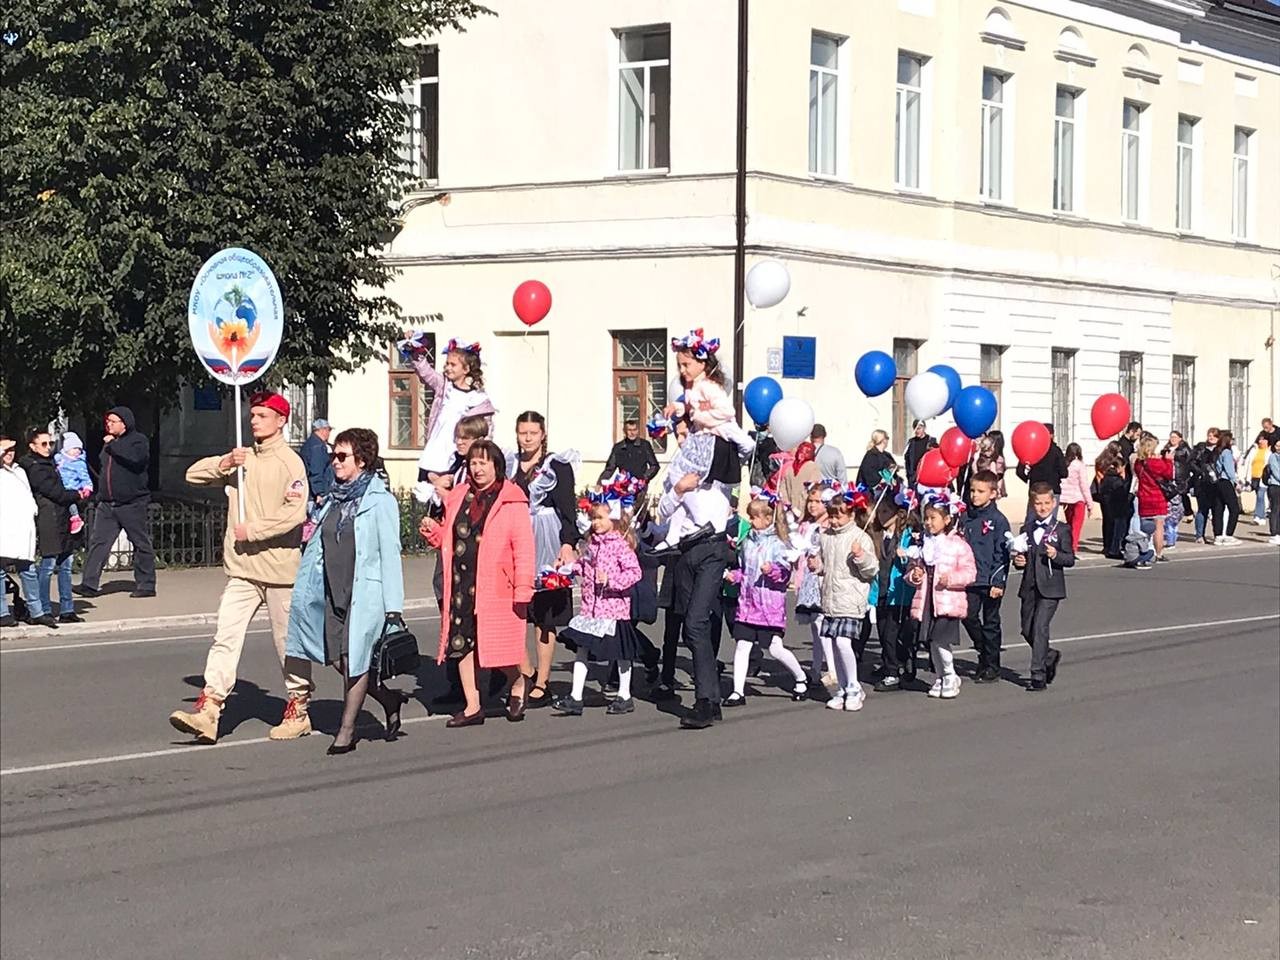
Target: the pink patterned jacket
(609, 553)
(954, 570)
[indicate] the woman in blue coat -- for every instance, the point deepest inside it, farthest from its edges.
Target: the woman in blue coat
(351, 583)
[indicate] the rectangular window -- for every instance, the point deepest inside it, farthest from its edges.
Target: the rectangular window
(907, 118)
(1238, 399)
(906, 357)
(410, 400)
(644, 98)
(1064, 149)
(1184, 393)
(992, 185)
(307, 401)
(1130, 386)
(1240, 184)
(824, 75)
(1186, 170)
(424, 116)
(991, 372)
(1063, 390)
(1131, 160)
(639, 378)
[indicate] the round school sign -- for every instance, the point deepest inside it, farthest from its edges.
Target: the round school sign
(236, 316)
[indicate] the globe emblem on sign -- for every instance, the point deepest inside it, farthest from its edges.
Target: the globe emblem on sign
(235, 316)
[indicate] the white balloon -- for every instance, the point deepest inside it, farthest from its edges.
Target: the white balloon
(926, 395)
(790, 422)
(768, 283)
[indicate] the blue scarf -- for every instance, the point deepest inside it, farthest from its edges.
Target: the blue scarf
(345, 498)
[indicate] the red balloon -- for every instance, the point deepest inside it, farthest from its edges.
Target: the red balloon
(933, 470)
(532, 302)
(1110, 415)
(956, 448)
(1031, 441)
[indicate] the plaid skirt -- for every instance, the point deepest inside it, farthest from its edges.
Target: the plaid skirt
(833, 627)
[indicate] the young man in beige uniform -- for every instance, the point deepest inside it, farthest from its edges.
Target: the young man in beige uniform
(261, 557)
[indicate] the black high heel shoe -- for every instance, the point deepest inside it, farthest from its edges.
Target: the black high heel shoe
(393, 726)
(337, 751)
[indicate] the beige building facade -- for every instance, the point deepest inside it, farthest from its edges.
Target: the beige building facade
(1058, 198)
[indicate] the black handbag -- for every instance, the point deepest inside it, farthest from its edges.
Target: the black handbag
(396, 652)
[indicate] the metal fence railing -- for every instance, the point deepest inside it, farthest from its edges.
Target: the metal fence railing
(184, 533)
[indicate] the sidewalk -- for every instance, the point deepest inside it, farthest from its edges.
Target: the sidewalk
(187, 597)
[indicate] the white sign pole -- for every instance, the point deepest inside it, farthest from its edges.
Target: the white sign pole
(235, 364)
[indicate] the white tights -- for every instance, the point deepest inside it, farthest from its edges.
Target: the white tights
(742, 658)
(846, 663)
(580, 677)
(822, 654)
(943, 661)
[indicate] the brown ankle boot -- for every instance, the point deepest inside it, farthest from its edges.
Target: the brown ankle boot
(202, 721)
(296, 722)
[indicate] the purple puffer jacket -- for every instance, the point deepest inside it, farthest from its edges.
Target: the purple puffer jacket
(612, 554)
(762, 597)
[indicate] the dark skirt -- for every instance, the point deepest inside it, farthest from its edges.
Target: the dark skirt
(761, 636)
(726, 463)
(626, 643)
(551, 609)
(836, 627)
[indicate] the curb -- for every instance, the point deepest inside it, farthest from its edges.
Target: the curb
(94, 627)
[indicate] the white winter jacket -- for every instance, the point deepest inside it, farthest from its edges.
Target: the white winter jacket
(846, 582)
(17, 515)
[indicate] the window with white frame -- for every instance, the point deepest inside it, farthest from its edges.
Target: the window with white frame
(824, 83)
(991, 373)
(1183, 395)
(906, 357)
(994, 87)
(1240, 184)
(1064, 149)
(1186, 170)
(423, 101)
(644, 98)
(1131, 381)
(1237, 398)
(1063, 389)
(639, 378)
(1132, 158)
(908, 120)
(308, 402)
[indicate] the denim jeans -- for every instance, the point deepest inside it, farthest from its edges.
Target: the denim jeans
(31, 590)
(66, 602)
(1260, 503)
(1171, 521)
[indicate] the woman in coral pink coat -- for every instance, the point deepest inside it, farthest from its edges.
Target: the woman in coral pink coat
(486, 545)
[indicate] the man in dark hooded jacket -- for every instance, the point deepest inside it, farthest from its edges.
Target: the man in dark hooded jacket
(123, 498)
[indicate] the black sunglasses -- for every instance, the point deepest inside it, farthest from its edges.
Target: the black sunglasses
(340, 457)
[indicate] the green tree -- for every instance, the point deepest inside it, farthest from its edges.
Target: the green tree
(139, 137)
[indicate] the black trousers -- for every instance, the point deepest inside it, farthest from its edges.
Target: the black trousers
(1037, 614)
(108, 520)
(699, 578)
(982, 623)
(1206, 499)
(1273, 498)
(1229, 500)
(896, 630)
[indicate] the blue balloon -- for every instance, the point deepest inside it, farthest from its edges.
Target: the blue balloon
(954, 385)
(875, 372)
(974, 411)
(760, 396)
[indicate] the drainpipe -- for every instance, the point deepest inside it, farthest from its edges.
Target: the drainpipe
(740, 214)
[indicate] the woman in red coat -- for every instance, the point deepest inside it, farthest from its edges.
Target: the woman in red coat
(486, 546)
(1153, 505)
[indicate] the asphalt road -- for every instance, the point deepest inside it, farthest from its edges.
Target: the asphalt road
(1131, 811)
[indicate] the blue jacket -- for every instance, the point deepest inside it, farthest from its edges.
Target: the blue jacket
(315, 459)
(891, 588)
(985, 528)
(1227, 465)
(377, 591)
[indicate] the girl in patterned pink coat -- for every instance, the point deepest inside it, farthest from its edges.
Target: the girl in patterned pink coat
(941, 570)
(602, 630)
(765, 557)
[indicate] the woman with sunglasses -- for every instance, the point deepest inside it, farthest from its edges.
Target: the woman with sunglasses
(17, 524)
(351, 583)
(53, 532)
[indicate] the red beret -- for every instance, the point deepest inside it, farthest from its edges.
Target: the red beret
(272, 401)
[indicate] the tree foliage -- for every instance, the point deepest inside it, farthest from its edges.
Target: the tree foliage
(139, 137)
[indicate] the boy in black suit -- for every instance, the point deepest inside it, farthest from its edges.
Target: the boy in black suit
(1042, 559)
